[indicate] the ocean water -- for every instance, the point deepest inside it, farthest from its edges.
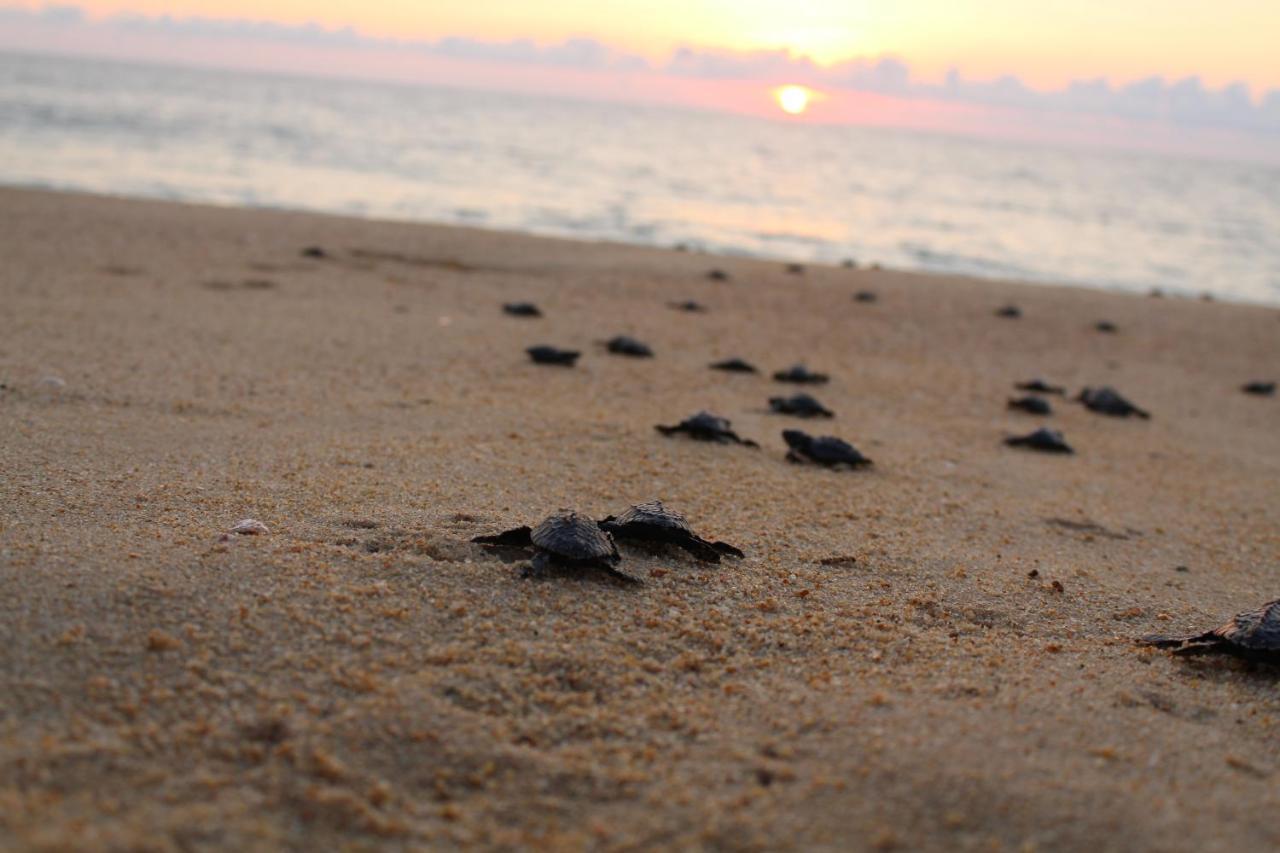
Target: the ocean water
(650, 175)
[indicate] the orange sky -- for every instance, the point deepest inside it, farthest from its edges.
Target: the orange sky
(1045, 42)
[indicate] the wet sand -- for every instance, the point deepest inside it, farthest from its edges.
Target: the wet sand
(934, 653)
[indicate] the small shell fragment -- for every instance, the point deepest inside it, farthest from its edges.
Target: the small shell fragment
(251, 527)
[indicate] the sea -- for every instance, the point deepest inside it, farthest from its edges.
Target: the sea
(651, 175)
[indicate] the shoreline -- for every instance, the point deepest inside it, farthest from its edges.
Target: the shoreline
(933, 653)
(551, 234)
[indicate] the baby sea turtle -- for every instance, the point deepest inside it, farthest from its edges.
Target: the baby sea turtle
(551, 355)
(705, 426)
(1013, 312)
(822, 450)
(735, 365)
(522, 309)
(865, 296)
(688, 305)
(1039, 386)
(1044, 439)
(795, 269)
(801, 375)
(315, 253)
(717, 275)
(1031, 405)
(565, 538)
(1254, 635)
(1106, 327)
(849, 263)
(1259, 389)
(800, 405)
(1107, 401)
(653, 522)
(623, 345)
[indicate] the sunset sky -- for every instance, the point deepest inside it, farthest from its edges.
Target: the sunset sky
(1181, 75)
(1046, 43)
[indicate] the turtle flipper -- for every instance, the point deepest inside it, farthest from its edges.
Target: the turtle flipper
(1162, 641)
(698, 547)
(727, 549)
(614, 571)
(516, 538)
(745, 442)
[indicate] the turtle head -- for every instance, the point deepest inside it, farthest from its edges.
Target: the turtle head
(795, 439)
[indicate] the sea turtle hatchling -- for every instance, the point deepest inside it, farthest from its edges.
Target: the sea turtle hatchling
(865, 296)
(1011, 312)
(689, 306)
(1039, 386)
(1107, 401)
(800, 375)
(565, 538)
(543, 354)
(822, 450)
(734, 365)
(521, 309)
(1254, 635)
(705, 426)
(652, 522)
(1044, 439)
(800, 405)
(1031, 405)
(1259, 389)
(623, 345)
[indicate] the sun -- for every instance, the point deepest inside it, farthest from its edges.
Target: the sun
(793, 99)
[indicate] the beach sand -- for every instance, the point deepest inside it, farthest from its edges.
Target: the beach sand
(882, 671)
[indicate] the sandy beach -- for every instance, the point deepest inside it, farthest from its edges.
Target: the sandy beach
(933, 653)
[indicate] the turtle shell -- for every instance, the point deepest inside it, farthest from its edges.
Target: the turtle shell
(1253, 634)
(653, 514)
(1109, 401)
(824, 449)
(1256, 630)
(573, 536)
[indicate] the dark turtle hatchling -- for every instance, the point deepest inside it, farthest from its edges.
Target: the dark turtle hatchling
(552, 355)
(653, 522)
(1107, 401)
(1254, 635)
(800, 375)
(865, 296)
(1044, 439)
(800, 405)
(623, 345)
(822, 450)
(1039, 386)
(1106, 327)
(1031, 405)
(1013, 312)
(705, 426)
(735, 365)
(717, 275)
(315, 253)
(795, 269)
(522, 309)
(565, 538)
(1259, 389)
(689, 306)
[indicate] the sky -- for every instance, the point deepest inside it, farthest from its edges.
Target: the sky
(1047, 43)
(1071, 69)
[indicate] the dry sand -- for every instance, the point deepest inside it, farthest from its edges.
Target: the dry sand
(880, 672)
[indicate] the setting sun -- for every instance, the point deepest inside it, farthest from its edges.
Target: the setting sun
(794, 100)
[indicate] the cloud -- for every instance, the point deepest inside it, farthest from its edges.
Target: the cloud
(1186, 102)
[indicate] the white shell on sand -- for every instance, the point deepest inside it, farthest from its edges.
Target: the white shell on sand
(251, 527)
